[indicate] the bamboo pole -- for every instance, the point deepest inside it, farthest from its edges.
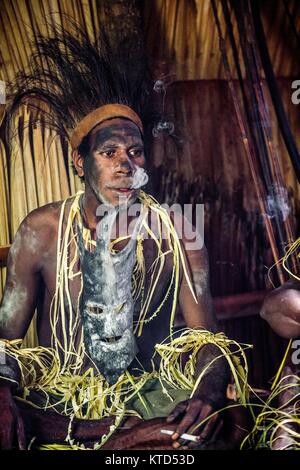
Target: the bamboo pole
(248, 149)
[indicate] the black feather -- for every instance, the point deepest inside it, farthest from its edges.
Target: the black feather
(70, 76)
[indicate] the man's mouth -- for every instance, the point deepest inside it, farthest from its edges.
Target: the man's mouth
(126, 191)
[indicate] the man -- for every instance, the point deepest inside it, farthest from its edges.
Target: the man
(281, 309)
(105, 302)
(116, 149)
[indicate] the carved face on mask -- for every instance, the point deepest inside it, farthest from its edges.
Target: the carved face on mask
(106, 303)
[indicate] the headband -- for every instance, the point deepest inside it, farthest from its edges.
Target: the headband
(99, 115)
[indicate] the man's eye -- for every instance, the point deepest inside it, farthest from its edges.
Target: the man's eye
(108, 153)
(135, 152)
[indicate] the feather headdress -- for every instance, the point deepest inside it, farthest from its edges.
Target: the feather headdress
(70, 76)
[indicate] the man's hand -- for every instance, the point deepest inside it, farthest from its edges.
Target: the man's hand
(12, 434)
(189, 414)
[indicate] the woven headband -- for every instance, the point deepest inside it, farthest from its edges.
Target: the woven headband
(99, 115)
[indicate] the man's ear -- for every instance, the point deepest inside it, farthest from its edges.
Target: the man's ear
(78, 162)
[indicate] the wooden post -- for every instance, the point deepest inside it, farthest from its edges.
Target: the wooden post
(123, 24)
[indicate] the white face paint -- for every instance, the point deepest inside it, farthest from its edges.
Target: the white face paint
(139, 179)
(100, 196)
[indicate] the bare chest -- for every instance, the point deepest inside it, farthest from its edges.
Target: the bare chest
(50, 278)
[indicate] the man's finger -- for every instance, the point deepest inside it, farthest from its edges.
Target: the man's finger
(21, 434)
(217, 430)
(209, 428)
(196, 429)
(178, 411)
(190, 417)
(217, 426)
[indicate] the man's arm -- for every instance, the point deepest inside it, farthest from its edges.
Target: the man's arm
(281, 309)
(16, 311)
(201, 315)
(22, 283)
(211, 392)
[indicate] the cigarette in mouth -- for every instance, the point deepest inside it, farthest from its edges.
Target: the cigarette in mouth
(187, 437)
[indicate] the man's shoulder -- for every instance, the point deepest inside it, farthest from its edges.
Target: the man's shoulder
(46, 216)
(42, 223)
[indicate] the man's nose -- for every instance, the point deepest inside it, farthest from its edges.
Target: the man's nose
(125, 164)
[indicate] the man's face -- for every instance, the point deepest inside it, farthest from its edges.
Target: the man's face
(116, 150)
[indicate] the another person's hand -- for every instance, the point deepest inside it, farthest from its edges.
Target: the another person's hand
(189, 414)
(284, 437)
(12, 434)
(281, 309)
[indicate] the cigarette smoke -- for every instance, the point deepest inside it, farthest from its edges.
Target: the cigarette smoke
(140, 178)
(278, 203)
